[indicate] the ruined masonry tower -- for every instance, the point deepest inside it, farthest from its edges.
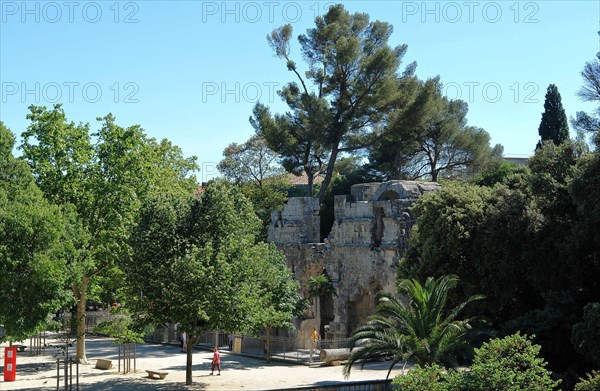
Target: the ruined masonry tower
(360, 256)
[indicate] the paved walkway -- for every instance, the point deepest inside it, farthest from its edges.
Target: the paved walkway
(238, 372)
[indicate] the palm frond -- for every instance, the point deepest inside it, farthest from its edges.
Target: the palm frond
(416, 328)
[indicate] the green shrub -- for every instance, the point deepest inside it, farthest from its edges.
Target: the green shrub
(592, 383)
(427, 378)
(508, 364)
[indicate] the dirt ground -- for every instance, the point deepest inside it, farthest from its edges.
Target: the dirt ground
(238, 372)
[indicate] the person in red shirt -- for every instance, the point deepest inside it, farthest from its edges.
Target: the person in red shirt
(216, 361)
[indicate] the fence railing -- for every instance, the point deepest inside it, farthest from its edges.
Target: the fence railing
(92, 320)
(282, 347)
(369, 385)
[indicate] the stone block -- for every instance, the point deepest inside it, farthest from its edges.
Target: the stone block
(103, 364)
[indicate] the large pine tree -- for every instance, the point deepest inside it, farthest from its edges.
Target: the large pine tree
(348, 93)
(554, 125)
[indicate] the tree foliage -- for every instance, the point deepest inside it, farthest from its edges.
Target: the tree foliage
(196, 263)
(103, 176)
(254, 168)
(511, 364)
(590, 92)
(276, 289)
(253, 161)
(554, 125)
(508, 364)
(590, 383)
(34, 246)
(423, 378)
(440, 143)
(350, 89)
(586, 334)
(523, 237)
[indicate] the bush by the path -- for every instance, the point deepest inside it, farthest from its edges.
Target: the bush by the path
(591, 383)
(508, 364)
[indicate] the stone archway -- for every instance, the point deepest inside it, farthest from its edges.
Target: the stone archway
(359, 310)
(389, 195)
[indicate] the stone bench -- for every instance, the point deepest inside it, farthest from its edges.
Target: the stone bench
(103, 364)
(157, 374)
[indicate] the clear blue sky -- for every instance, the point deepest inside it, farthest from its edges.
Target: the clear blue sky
(191, 71)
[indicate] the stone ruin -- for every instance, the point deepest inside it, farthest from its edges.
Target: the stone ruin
(360, 257)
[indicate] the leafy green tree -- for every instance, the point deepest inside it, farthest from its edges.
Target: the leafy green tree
(103, 176)
(554, 125)
(253, 161)
(34, 246)
(421, 329)
(121, 327)
(270, 196)
(553, 168)
(483, 235)
(498, 265)
(443, 240)
(195, 262)
(586, 334)
(590, 92)
(584, 245)
(254, 168)
(551, 321)
(509, 174)
(441, 144)
(355, 84)
(279, 293)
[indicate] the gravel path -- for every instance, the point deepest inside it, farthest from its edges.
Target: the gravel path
(238, 372)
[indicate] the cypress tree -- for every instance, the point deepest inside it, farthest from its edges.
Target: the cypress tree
(554, 125)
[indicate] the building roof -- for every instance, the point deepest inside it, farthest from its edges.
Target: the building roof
(302, 179)
(521, 160)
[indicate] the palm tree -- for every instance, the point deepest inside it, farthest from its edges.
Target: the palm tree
(418, 329)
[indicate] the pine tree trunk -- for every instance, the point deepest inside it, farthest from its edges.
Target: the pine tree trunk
(328, 173)
(310, 179)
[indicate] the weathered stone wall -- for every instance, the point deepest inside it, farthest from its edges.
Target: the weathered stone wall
(361, 254)
(298, 222)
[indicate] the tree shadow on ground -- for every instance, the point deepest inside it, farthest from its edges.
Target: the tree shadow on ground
(108, 349)
(131, 384)
(227, 363)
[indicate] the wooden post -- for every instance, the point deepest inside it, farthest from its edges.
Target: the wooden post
(66, 376)
(70, 374)
(128, 347)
